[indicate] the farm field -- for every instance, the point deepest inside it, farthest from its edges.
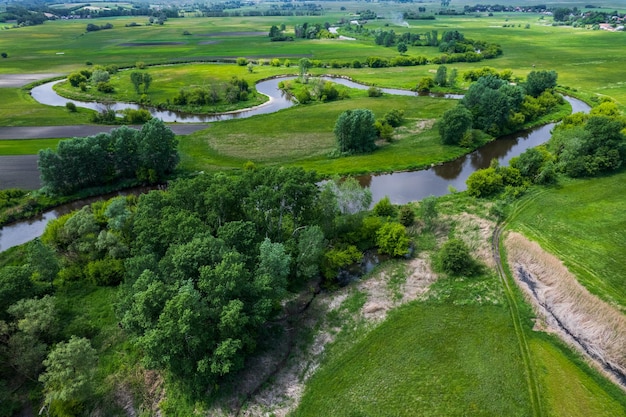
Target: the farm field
(459, 348)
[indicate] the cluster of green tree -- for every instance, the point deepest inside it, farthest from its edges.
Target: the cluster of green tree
(199, 269)
(367, 14)
(139, 79)
(484, 8)
(312, 31)
(581, 146)
(237, 89)
(356, 131)
(94, 28)
(590, 145)
(24, 16)
(98, 77)
(148, 155)
(498, 107)
(306, 90)
(575, 16)
(276, 34)
(413, 15)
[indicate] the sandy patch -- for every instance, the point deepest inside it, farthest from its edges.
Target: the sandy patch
(567, 308)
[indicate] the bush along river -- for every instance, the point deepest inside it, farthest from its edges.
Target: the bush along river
(400, 187)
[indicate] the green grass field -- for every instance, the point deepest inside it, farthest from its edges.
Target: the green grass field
(582, 223)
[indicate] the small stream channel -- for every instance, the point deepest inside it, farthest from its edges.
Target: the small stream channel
(400, 187)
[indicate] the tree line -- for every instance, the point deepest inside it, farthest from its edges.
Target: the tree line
(148, 155)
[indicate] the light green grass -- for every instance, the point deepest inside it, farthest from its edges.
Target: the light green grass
(18, 108)
(572, 389)
(303, 136)
(582, 222)
(426, 360)
(26, 146)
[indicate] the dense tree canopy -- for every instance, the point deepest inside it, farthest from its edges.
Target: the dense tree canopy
(355, 131)
(455, 124)
(149, 155)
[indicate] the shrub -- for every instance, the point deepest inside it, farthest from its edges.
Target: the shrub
(105, 87)
(242, 62)
(455, 258)
(107, 272)
(4, 55)
(140, 65)
(392, 239)
(338, 258)
(374, 92)
(425, 84)
(394, 117)
(384, 208)
(71, 106)
(407, 215)
(139, 116)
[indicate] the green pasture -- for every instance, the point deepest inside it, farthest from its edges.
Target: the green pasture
(585, 59)
(26, 146)
(167, 81)
(582, 222)
(569, 387)
(18, 108)
(303, 136)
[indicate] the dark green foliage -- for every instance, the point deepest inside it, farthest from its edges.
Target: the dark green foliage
(441, 78)
(4, 55)
(493, 180)
(70, 106)
(384, 208)
(15, 284)
(76, 78)
(100, 159)
(402, 48)
(455, 258)
(539, 81)
(394, 117)
(136, 116)
(406, 215)
(355, 131)
(455, 124)
(374, 92)
(392, 239)
(492, 101)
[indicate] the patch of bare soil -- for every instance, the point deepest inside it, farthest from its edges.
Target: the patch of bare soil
(567, 308)
(416, 128)
(150, 397)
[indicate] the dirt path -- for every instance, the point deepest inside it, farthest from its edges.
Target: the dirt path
(20, 80)
(47, 132)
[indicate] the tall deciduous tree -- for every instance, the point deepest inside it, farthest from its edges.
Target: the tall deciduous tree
(157, 151)
(539, 81)
(355, 131)
(455, 124)
(70, 369)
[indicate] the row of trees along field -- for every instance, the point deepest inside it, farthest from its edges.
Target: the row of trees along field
(199, 269)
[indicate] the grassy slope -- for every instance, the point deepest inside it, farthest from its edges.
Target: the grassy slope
(582, 222)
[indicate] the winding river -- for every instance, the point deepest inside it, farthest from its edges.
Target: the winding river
(400, 187)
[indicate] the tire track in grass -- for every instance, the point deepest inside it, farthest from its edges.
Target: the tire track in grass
(531, 379)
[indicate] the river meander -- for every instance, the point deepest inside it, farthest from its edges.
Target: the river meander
(400, 187)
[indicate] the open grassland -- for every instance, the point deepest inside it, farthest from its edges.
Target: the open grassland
(433, 360)
(582, 222)
(26, 146)
(18, 108)
(569, 387)
(303, 136)
(585, 59)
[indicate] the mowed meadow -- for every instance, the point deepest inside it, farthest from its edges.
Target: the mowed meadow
(455, 352)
